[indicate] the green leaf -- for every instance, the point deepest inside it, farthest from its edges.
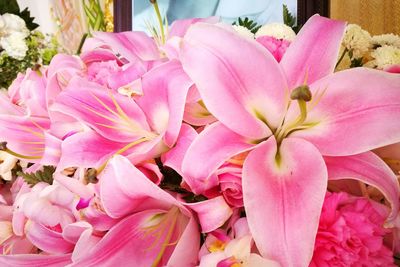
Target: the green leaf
(247, 23)
(10, 6)
(288, 18)
(45, 175)
(26, 15)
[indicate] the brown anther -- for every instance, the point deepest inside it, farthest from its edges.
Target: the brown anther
(91, 176)
(301, 92)
(3, 145)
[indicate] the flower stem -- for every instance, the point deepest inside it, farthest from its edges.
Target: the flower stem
(160, 21)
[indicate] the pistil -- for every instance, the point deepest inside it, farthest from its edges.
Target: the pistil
(303, 95)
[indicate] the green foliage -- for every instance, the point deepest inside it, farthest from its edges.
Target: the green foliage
(39, 51)
(45, 175)
(11, 6)
(290, 20)
(248, 23)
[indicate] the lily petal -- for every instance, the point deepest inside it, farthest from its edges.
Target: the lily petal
(314, 52)
(174, 157)
(212, 213)
(47, 240)
(367, 168)
(283, 198)
(112, 115)
(128, 242)
(131, 45)
(358, 112)
(245, 95)
(203, 157)
(164, 94)
(124, 189)
(35, 260)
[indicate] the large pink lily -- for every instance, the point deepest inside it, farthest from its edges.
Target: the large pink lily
(285, 175)
(155, 230)
(141, 129)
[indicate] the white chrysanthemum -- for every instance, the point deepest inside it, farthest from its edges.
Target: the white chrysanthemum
(277, 30)
(386, 56)
(357, 40)
(386, 39)
(10, 23)
(7, 164)
(15, 45)
(243, 31)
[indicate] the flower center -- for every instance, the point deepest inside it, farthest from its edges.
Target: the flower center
(302, 95)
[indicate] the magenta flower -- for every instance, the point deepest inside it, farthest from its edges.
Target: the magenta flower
(350, 233)
(289, 114)
(277, 47)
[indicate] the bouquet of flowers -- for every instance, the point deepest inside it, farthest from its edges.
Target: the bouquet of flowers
(21, 46)
(203, 145)
(359, 48)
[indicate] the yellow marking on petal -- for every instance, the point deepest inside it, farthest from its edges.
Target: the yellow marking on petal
(101, 115)
(32, 142)
(217, 246)
(29, 130)
(38, 126)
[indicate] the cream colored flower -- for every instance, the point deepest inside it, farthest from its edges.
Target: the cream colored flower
(15, 45)
(10, 23)
(243, 31)
(357, 40)
(277, 30)
(386, 56)
(386, 39)
(7, 164)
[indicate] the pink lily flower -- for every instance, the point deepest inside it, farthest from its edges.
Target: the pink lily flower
(285, 175)
(140, 129)
(155, 230)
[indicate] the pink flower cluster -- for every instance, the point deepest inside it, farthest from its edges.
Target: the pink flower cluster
(201, 148)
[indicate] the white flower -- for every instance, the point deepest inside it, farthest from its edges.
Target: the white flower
(15, 45)
(277, 30)
(10, 23)
(386, 56)
(386, 39)
(7, 164)
(357, 40)
(243, 31)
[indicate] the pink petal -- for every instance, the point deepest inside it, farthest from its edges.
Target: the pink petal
(35, 260)
(203, 157)
(52, 150)
(367, 168)
(73, 231)
(358, 112)
(128, 243)
(87, 149)
(212, 213)
(124, 189)
(47, 240)
(179, 27)
(245, 95)
(164, 94)
(24, 135)
(112, 115)
(133, 46)
(174, 157)
(283, 199)
(314, 52)
(187, 248)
